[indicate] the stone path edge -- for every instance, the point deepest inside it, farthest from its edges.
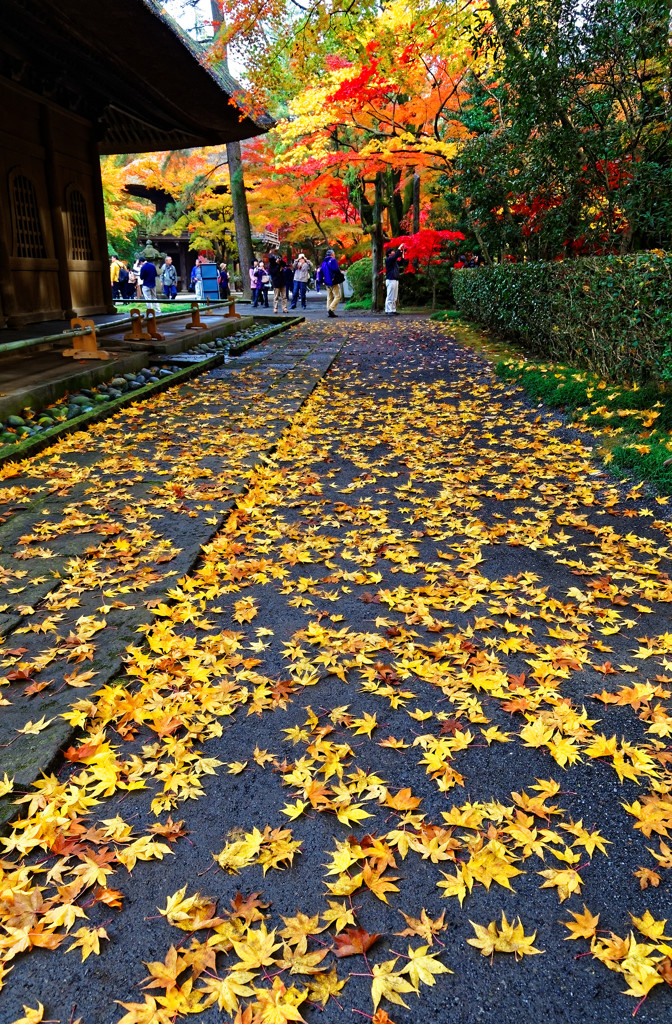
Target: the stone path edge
(33, 446)
(49, 745)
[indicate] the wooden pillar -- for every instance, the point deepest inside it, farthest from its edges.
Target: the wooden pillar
(7, 297)
(183, 245)
(101, 229)
(241, 217)
(55, 195)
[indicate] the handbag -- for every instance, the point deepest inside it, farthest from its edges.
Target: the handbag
(265, 279)
(338, 277)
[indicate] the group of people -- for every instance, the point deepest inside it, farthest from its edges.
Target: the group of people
(124, 280)
(140, 280)
(288, 281)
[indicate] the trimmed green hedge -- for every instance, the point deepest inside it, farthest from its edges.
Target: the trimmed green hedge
(612, 314)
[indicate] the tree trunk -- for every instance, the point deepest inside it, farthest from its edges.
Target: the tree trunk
(241, 217)
(393, 204)
(479, 238)
(416, 203)
(377, 301)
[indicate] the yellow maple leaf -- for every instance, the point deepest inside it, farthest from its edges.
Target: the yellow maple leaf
(584, 926)
(388, 984)
(507, 938)
(31, 1016)
(88, 939)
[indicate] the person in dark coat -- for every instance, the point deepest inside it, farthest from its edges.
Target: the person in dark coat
(393, 264)
(277, 269)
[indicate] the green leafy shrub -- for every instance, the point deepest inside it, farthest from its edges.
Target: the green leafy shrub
(414, 289)
(418, 289)
(611, 314)
(359, 277)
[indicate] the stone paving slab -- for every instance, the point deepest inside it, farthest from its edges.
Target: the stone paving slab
(282, 377)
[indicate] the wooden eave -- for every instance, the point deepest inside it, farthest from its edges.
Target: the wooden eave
(127, 67)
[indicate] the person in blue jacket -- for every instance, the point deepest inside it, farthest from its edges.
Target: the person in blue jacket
(148, 279)
(331, 276)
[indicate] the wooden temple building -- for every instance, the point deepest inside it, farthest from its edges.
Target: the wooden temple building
(77, 80)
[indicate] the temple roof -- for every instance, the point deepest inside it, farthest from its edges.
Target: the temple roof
(128, 67)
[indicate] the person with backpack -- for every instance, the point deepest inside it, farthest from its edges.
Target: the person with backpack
(132, 284)
(115, 267)
(331, 275)
(169, 279)
(123, 281)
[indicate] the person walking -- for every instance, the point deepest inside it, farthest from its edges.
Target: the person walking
(302, 269)
(115, 268)
(254, 283)
(223, 281)
(148, 279)
(138, 283)
(276, 269)
(331, 276)
(169, 279)
(289, 279)
(132, 283)
(393, 261)
(198, 278)
(123, 281)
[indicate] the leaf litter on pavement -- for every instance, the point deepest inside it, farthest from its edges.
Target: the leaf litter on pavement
(458, 628)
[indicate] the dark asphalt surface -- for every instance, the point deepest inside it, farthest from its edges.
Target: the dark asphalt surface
(412, 461)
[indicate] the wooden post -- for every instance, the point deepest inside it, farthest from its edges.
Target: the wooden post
(56, 211)
(183, 244)
(151, 326)
(86, 346)
(101, 230)
(196, 322)
(136, 332)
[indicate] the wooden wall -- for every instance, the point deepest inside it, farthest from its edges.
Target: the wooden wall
(53, 251)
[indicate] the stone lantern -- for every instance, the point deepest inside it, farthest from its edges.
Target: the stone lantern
(151, 254)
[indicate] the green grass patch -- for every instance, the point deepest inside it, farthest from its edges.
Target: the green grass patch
(632, 422)
(445, 316)
(166, 307)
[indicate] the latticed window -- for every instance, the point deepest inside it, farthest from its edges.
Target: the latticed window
(80, 236)
(28, 239)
